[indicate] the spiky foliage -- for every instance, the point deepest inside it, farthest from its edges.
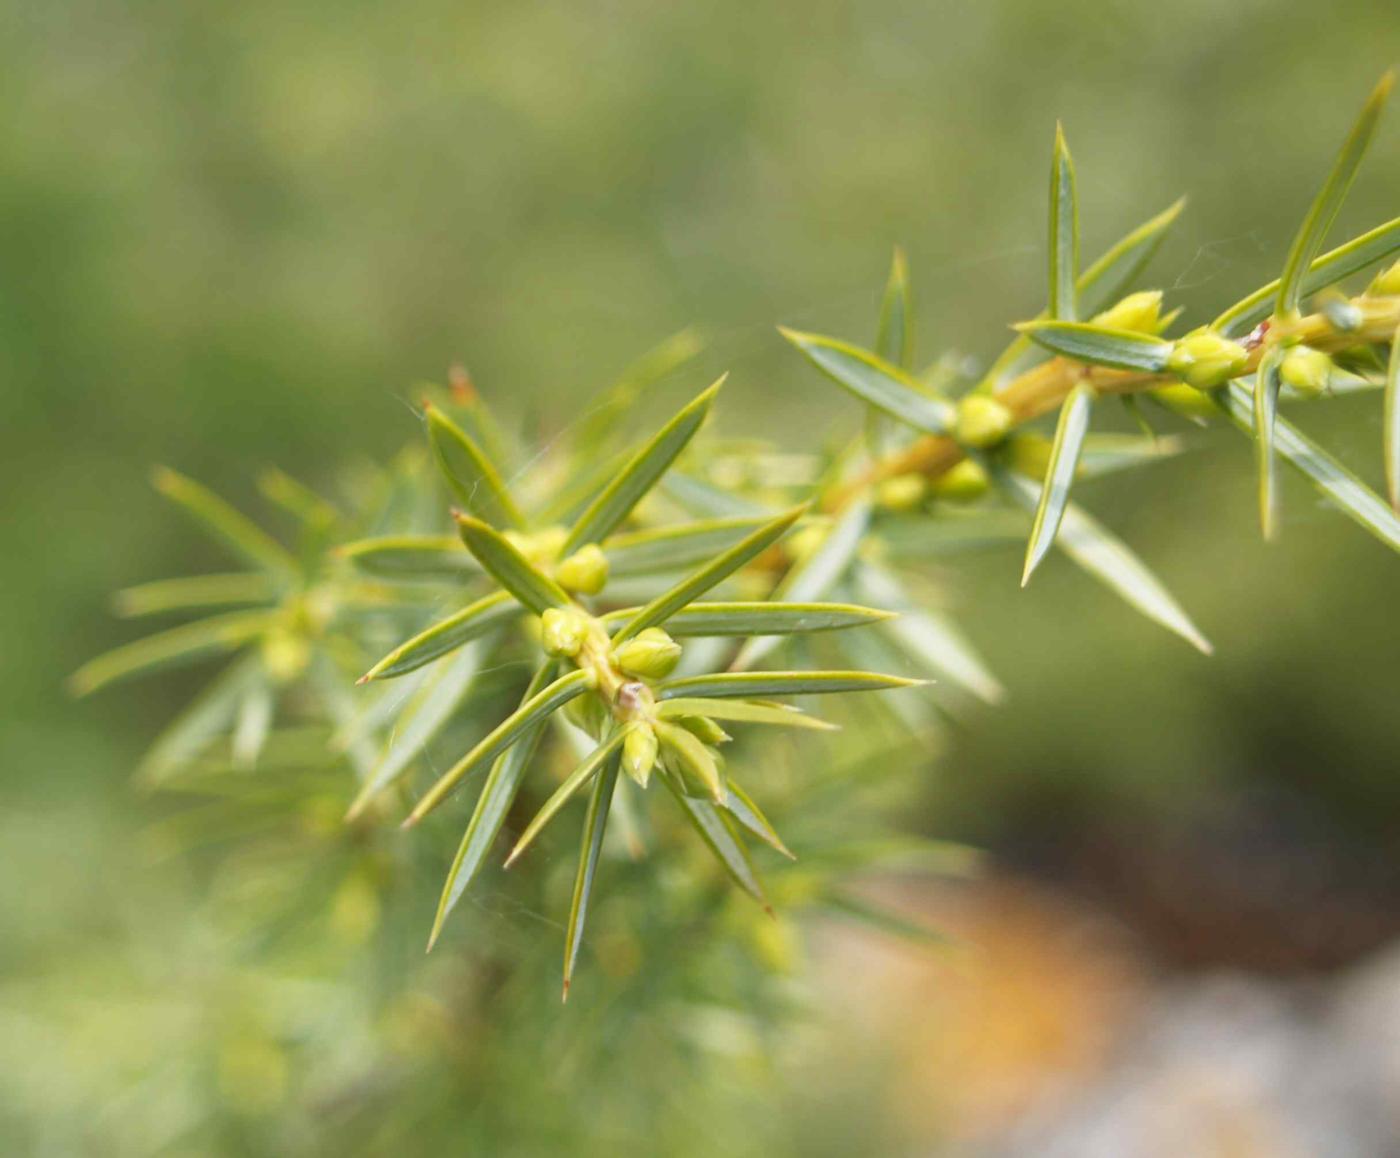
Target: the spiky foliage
(967, 438)
(608, 612)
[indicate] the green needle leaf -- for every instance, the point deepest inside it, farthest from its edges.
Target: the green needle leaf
(1266, 388)
(1327, 270)
(1392, 424)
(893, 343)
(741, 807)
(1106, 453)
(566, 791)
(422, 718)
(882, 919)
(232, 528)
(474, 620)
(1325, 473)
(706, 500)
(741, 711)
(949, 532)
(724, 619)
(1104, 282)
(698, 582)
(512, 570)
(894, 339)
(663, 359)
(594, 824)
(510, 731)
(1064, 230)
(617, 499)
(184, 644)
(297, 499)
(497, 796)
(1059, 475)
(723, 841)
(874, 381)
(197, 725)
(747, 684)
(1324, 208)
(411, 557)
(813, 576)
(195, 592)
(932, 640)
(1110, 561)
(672, 548)
(253, 723)
(469, 473)
(1100, 346)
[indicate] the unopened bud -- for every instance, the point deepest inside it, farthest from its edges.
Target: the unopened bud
(806, 539)
(904, 492)
(585, 571)
(1307, 370)
(699, 767)
(1205, 359)
(539, 547)
(285, 654)
(639, 749)
(1387, 283)
(589, 713)
(1029, 454)
(705, 730)
(651, 655)
(562, 630)
(1140, 312)
(962, 482)
(982, 421)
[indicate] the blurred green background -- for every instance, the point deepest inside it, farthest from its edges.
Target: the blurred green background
(235, 234)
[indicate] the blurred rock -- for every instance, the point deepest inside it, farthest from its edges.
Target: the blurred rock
(1231, 1065)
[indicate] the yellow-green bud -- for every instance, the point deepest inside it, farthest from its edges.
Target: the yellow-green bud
(806, 539)
(585, 571)
(562, 630)
(285, 654)
(1307, 370)
(982, 421)
(651, 655)
(1205, 359)
(539, 547)
(1387, 283)
(1029, 454)
(705, 730)
(1140, 312)
(962, 482)
(904, 492)
(639, 749)
(589, 713)
(699, 767)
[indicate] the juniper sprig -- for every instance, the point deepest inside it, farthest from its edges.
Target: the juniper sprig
(648, 589)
